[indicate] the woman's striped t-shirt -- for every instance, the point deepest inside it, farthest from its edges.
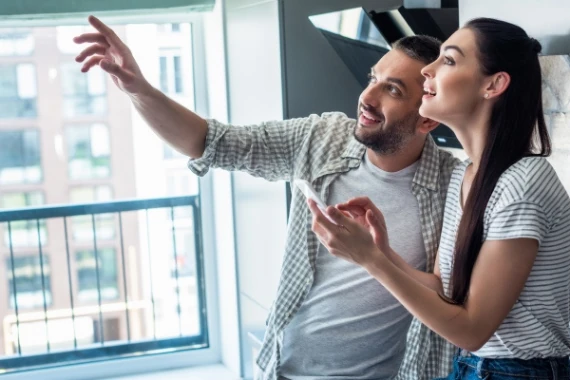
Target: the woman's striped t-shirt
(529, 201)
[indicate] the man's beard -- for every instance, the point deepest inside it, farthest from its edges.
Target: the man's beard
(387, 139)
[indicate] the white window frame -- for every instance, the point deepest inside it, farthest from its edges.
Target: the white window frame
(144, 364)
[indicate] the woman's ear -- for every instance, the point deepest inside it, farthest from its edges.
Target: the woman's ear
(496, 85)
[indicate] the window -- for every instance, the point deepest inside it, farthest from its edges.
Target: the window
(28, 271)
(83, 94)
(16, 42)
(18, 91)
(88, 151)
(97, 275)
(24, 233)
(116, 286)
(20, 157)
(65, 36)
(82, 226)
(184, 265)
(169, 28)
(170, 72)
(171, 153)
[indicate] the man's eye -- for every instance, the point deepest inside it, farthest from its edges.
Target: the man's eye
(393, 90)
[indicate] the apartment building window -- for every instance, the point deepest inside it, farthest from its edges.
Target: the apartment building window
(169, 28)
(82, 226)
(89, 151)
(83, 94)
(16, 42)
(97, 275)
(27, 275)
(20, 160)
(18, 91)
(24, 233)
(171, 81)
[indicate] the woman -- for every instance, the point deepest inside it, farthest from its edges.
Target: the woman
(501, 289)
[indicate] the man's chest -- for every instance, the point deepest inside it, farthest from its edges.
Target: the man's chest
(394, 196)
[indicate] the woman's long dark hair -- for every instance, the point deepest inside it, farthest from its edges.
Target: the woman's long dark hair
(517, 129)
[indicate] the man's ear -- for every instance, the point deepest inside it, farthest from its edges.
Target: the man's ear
(426, 125)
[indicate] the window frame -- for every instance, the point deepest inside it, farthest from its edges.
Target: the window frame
(167, 359)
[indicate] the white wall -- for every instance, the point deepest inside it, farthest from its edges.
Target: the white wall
(254, 89)
(546, 20)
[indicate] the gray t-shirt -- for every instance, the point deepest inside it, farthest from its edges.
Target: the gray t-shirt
(350, 326)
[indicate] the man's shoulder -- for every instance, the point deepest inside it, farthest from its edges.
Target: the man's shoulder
(331, 131)
(446, 164)
(447, 161)
(439, 159)
(331, 122)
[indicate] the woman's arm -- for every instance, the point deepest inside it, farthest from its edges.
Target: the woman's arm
(499, 276)
(365, 213)
(430, 280)
(498, 279)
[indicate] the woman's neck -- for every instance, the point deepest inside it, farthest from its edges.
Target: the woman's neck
(472, 134)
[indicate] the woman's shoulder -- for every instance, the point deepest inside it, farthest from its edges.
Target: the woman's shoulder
(529, 171)
(531, 179)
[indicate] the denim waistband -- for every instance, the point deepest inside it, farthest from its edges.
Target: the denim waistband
(539, 368)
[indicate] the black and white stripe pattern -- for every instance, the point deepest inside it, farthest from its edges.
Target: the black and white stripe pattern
(529, 201)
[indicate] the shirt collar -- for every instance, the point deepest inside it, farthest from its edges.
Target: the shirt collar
(427, 174)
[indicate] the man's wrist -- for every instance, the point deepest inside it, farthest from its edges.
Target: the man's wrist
(147, 91)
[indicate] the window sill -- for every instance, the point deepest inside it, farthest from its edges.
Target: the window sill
(211, 372)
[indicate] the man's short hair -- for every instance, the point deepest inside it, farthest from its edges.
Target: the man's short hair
(422, 48)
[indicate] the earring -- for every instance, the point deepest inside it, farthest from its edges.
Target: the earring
(486, 96)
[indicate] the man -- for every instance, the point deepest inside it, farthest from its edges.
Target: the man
(330, 318)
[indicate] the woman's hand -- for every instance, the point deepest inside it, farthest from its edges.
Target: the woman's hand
(363, 211)
(348, 238)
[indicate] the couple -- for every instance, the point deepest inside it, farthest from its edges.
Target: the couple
(360, 306)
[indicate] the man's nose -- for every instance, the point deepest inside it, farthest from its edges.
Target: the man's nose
(370, 97)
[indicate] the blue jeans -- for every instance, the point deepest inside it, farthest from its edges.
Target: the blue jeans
(467, 366)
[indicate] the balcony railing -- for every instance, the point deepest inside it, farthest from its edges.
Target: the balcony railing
(94, 304)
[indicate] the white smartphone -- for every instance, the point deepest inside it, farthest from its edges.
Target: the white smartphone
(310, 193)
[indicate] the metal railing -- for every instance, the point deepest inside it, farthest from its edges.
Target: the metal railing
(149, 287)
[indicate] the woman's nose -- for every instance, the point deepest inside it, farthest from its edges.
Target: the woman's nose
(427, 71)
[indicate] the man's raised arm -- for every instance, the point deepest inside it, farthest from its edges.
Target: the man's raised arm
(181, 128)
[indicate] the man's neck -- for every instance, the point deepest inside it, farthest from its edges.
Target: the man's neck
(397, 161)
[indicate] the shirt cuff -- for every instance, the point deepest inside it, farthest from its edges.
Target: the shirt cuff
(216, 131)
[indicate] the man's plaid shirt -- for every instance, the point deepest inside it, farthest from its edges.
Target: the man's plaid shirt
(319, 149)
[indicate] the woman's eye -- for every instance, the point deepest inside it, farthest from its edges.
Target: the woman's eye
(448, 61)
